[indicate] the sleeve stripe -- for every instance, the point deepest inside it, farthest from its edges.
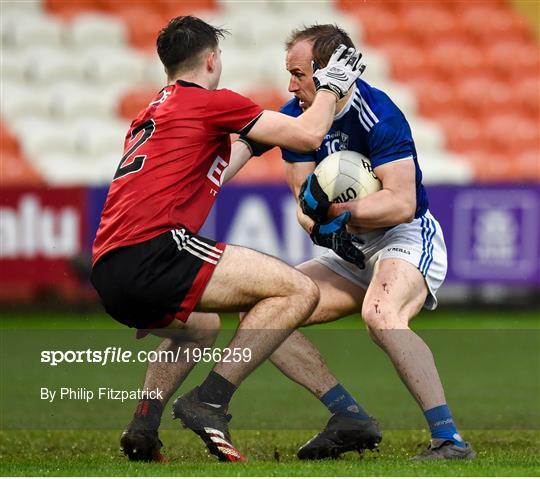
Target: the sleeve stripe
(245, 130)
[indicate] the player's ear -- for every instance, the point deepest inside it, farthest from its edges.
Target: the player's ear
(211, 61)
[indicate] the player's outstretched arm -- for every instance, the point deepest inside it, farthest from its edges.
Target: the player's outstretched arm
(240, 154)
(306, 132)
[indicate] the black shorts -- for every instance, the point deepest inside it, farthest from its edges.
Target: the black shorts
(148, 284)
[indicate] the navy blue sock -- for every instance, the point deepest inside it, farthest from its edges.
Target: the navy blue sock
(442, 426)
(338, 400)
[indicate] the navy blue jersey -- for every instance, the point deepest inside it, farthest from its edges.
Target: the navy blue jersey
(371, 124)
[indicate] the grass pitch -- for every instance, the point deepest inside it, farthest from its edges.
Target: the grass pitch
(489, 364)
(271, 453)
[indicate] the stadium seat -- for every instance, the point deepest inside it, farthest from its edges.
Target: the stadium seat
(74, 100)
(267, 98)
(18, 101)
(154, 73)
(402, 94)
(462, 133)
(9, 143)
(62, 168)
(73, 8)
(486, 22)
(45, 65)
(113, 66)
(378, 24)
(527, 163)
(526, 91)
(28, 31)
(378, 67)
(484, 95)
(143, 24)
(492, 166)
(42, 136)
(95, 137)
(407, 58)
(34, 7)
(445, 168)
(434, 94)
(11, 66)
(456, 59)
(96, 29)
(511, 132)
(513, 58)
(134, 100)
(427, 23)
(428, 135)
(18, 172)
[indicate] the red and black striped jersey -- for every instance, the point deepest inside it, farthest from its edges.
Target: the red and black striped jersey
(175, 153)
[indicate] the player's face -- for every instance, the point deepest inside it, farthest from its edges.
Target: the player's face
(298, 63)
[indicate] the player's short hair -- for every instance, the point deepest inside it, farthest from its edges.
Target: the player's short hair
(181, 42)
(325, 39)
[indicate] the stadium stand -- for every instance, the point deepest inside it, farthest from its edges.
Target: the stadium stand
(74, 74)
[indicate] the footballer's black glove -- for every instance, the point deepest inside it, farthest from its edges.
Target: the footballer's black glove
(333, 235)
(256, 148)
(342, 70)
(313, 200)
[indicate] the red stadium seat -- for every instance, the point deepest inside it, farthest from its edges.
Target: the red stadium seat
(17, 171)
(378, 24)
(70, 9)
(456, 58)
(526, 91)
(408, 59)
(491, 165)
(514, 58)
(9, 144)
(486, 22)
(485, 96)
(144, 24)
(428, 23)
(434, 95)
(462, 132)
(267, 98)
(511, 132)
(528, 164)
(134, 101)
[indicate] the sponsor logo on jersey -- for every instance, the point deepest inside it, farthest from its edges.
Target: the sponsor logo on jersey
(399, 250)
(215, 172)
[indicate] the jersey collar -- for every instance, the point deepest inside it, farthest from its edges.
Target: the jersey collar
(188, 84)
(347, 106)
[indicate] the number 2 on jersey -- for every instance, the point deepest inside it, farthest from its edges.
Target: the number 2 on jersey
(129, 163)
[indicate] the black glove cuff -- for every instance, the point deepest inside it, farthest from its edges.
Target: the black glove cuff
(256, 148)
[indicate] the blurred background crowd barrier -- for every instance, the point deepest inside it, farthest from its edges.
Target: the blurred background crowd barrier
(466, 74)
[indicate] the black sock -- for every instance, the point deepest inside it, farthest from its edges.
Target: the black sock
(148, 414)
(216, 390)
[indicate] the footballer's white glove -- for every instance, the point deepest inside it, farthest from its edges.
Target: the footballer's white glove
(342, 71)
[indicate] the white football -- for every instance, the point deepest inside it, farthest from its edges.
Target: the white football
(347, 175)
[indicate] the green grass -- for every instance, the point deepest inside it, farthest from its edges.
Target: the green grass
(488, 360)
(95, 453)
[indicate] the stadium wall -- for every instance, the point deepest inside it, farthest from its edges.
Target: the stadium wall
(492, 234)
